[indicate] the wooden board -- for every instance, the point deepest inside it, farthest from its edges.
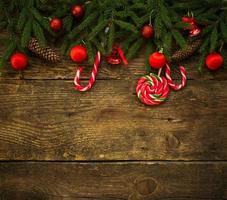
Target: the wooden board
(105, 144)
(48, 120)
(108, 181)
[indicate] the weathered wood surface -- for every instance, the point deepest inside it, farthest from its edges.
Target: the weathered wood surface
(43, 119)
(121, 181)
(48, 120)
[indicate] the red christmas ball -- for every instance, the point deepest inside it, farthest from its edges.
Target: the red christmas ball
(78, 53)
(157, 60)
(147, 31)
(77, 11)
(214, 61)
(56, 24)
(19, 61)
(189, 20)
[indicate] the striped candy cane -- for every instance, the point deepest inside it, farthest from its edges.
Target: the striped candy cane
(170, 81)
(92, 78)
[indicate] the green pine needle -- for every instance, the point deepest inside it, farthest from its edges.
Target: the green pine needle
(214, 39)
(179, 38)
(26, 35)
(83, 25)
(8, 52)
(134, 48)
(38, 33)
(111, 38)
(126, 26)
(223, 27)
(97, 29)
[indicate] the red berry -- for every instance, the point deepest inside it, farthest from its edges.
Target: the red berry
(56, 24)
(147, 31)
(157, 60)
(19, 61)
(77, 11)
(214, 61)
(78, 53)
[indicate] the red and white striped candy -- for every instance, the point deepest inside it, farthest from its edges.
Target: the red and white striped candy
(153, 90)
(170, 81)
(92, 78)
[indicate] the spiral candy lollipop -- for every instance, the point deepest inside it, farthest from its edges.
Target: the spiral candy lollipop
(154, 90)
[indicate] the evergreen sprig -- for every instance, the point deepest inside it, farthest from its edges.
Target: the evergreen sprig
(110, 22)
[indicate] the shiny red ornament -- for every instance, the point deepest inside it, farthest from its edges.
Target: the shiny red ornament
(116, 57)
(147, 31)
(214, 61)
(194, 29)
(56, 24)
(77, 11)
(78, 53)
(19, 61)
(157, 60)
(189, 20)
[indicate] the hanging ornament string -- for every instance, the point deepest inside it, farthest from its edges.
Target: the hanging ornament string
(154, 90)
(92, 78)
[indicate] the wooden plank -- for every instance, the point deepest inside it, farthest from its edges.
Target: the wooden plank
(132, 181)
(48, 120)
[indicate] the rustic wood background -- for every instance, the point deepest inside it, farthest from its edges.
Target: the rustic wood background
(56, 143)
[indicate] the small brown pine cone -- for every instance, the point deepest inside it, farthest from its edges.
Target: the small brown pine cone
(186, 52)
(45, 53)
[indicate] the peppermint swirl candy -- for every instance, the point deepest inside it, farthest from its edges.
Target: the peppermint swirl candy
(152, 89)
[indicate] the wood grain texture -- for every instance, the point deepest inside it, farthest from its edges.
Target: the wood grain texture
(121, 181)
(48, 120)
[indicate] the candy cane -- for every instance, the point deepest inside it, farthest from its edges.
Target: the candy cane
(153, 90)
(92, 78)
(170, 81)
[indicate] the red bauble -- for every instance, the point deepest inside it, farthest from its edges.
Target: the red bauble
(56, 24)
(214, 61)
(19, 61)
(191, 21)
(78, 53)
(187, 19)
(194, 29)
(77, 11)
(157, 60)
(147, 31)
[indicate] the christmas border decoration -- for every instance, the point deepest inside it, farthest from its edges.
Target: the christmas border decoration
(169, 30)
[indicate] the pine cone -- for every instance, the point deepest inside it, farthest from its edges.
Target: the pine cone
(45, 53)
(188, 51)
